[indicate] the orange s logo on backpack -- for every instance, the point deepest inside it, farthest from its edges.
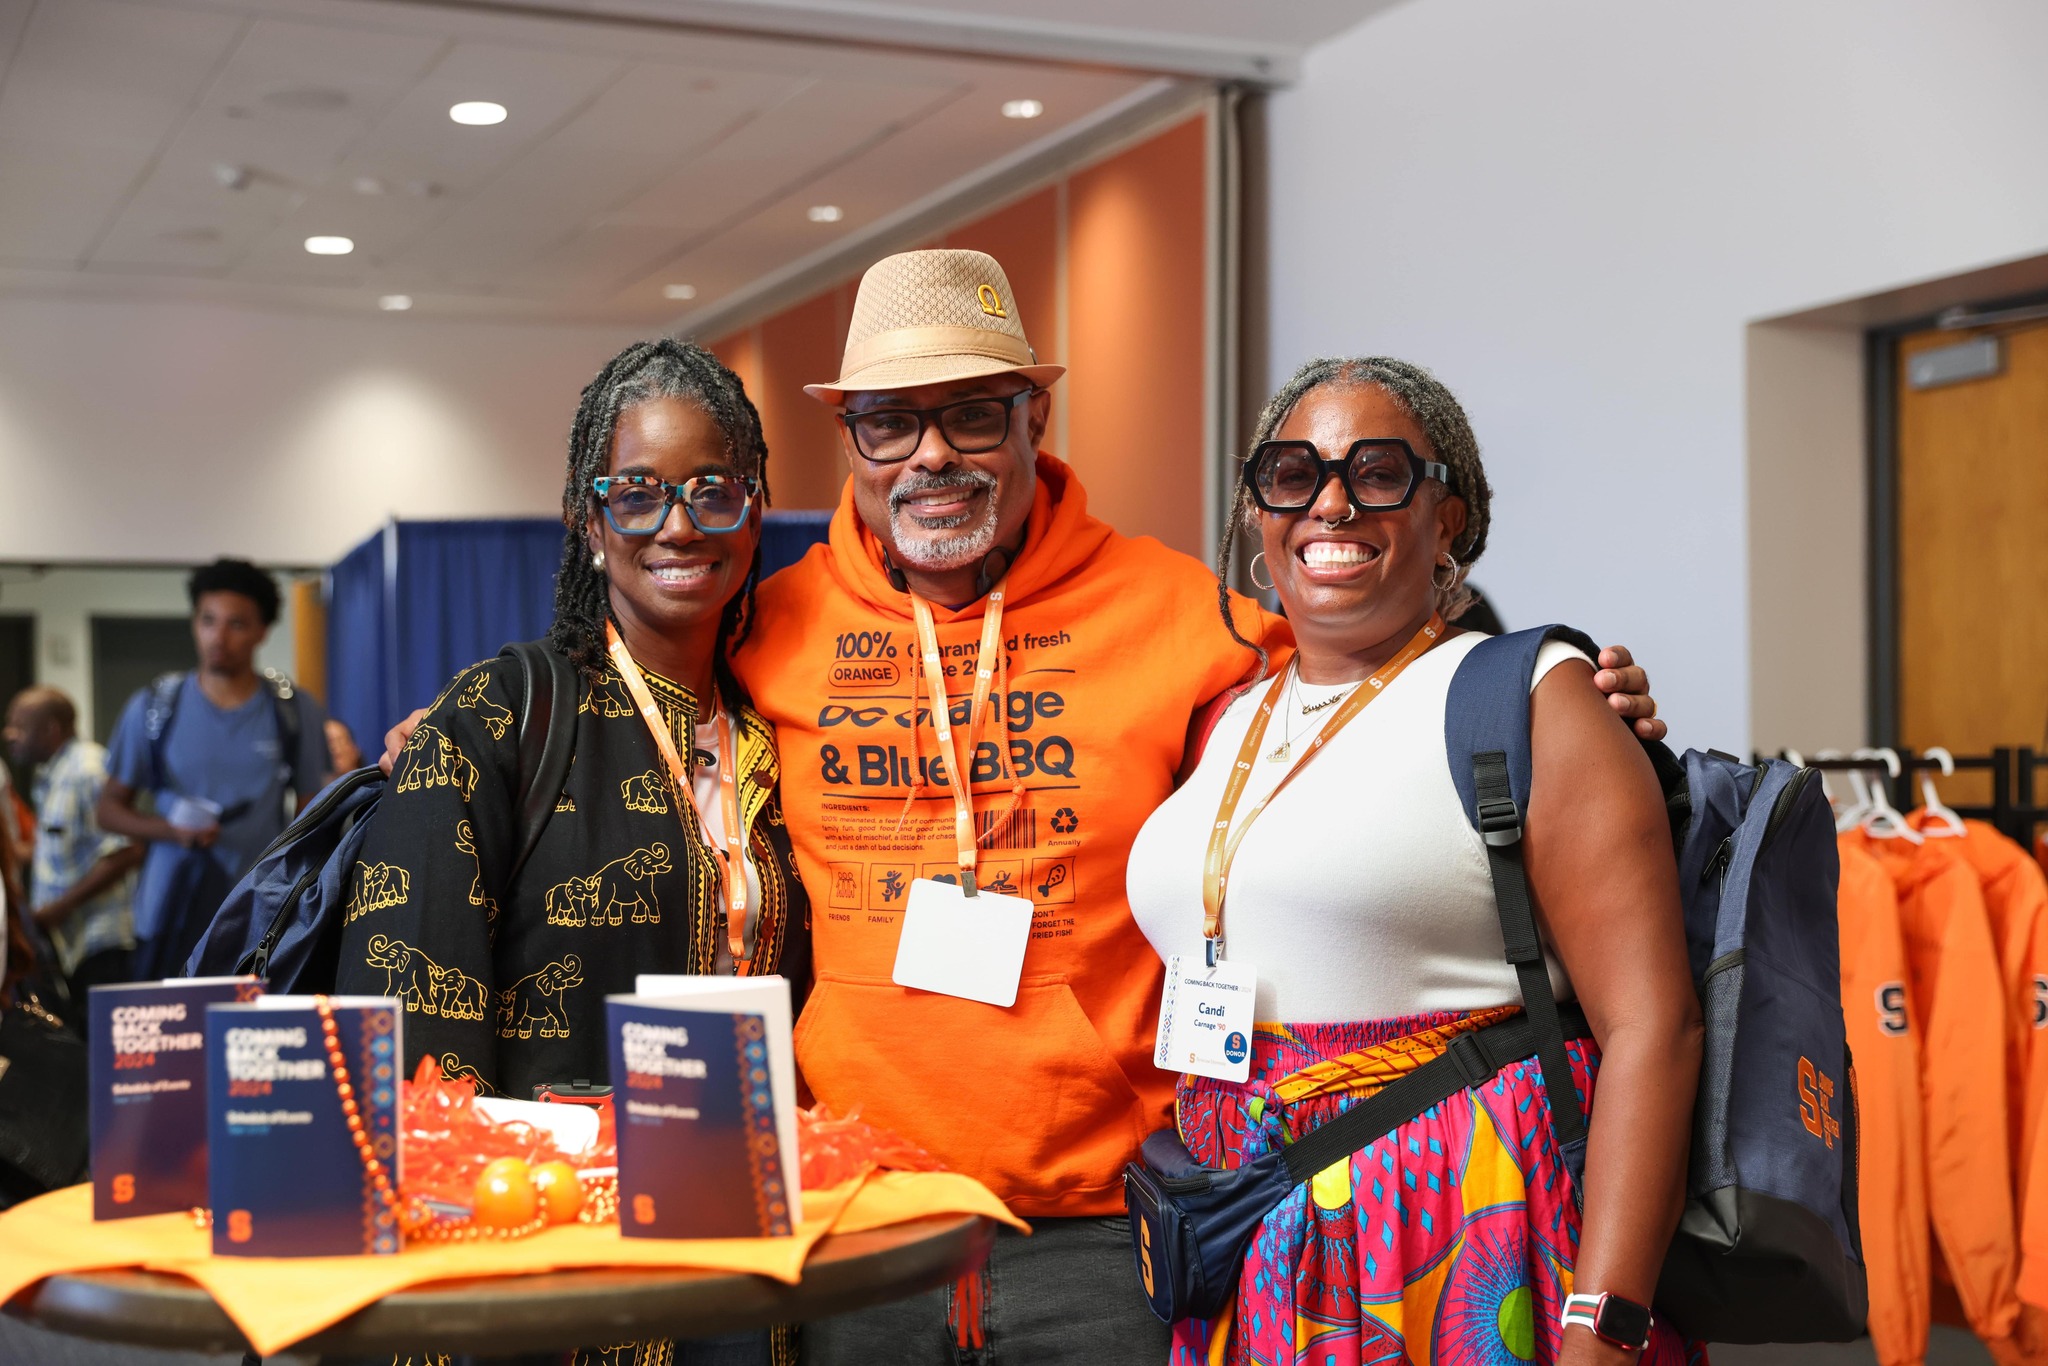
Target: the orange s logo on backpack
(1145, 1252)
(1816, 1103)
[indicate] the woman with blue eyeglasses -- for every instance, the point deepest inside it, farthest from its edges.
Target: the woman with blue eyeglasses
(504, 975)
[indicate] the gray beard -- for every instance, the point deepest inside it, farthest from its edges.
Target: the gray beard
(942, 543)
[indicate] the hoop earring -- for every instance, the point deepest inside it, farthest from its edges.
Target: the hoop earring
(1450, 562)
(1252, 570)
(597, 560)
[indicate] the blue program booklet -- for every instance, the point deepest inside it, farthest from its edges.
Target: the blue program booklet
(286, 1178)
(148, 1074)
(704, 1082)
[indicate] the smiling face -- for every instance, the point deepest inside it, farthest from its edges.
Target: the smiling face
(1350, 586)
(941, 510)
(678, 580)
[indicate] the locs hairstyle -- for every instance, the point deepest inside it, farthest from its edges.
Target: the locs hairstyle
(1442, 419)
(235, 576)
(643, 371)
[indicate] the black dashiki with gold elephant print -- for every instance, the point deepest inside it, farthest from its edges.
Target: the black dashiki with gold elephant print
(506, 985)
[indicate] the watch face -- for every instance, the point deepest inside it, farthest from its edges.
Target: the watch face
(1623, 1321)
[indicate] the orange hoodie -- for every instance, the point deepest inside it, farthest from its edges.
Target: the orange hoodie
(1957, 997)
(1891, 1172)
(1113, 644)
(2016, 905)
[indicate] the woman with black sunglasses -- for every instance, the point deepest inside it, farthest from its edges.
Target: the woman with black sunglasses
(504, 976)
(1361, 920)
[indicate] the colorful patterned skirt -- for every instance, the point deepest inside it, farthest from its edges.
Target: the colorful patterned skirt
(1449, 1242)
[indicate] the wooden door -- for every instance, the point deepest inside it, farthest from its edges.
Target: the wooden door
(1973, 553)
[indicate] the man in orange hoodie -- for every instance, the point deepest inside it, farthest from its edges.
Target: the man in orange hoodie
(963, 565)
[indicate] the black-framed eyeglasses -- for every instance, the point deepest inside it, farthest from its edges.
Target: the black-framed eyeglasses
(1380, 473)
(971, 426)
(638, 504)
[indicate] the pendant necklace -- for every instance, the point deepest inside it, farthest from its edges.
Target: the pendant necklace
(1280, 753)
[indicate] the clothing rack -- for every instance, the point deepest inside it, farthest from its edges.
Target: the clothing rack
(2013, 808)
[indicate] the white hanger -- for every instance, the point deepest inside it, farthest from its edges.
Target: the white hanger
(1882, 820)
(1846, 815)
(1950, 824)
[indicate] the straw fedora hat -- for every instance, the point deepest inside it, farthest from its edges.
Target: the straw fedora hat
(925, 317)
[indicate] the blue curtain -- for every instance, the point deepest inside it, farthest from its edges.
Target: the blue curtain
(785, 536)
(419, 601)
(356, 642)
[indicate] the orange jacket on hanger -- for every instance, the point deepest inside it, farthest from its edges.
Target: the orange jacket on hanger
(1891, 1171)
(2016, 903)
(1956, 993)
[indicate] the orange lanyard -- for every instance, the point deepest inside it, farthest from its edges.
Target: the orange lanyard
(1222, 843)
(733, 854)
(959, 761)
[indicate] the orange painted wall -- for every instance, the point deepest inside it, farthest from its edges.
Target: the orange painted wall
(1131, 312)
(1025, 237)
(1135, 256)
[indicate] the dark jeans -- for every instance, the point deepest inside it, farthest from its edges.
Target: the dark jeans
(108, 967)
(1065, 1296)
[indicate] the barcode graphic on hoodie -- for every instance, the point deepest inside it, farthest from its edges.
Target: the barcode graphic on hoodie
(1017, 830)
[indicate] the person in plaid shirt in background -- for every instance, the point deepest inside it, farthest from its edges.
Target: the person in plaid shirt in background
(79, 884)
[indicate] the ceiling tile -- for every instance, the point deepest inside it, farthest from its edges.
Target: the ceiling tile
(96, 73)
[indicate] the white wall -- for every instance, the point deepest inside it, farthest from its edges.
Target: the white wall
(178, 432)
(64, 601)
(1572, 210)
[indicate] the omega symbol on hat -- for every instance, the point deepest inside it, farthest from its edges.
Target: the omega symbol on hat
(991, 302)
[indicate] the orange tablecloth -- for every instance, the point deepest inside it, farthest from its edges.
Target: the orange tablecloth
(277, 1301)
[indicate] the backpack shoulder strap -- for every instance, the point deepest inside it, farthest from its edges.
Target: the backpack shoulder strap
(156, 720)
(284, 702)
(547, 738)
(1486, 739)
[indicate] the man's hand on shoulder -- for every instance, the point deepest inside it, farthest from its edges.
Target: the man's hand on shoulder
(395, 738)
(1628, 691)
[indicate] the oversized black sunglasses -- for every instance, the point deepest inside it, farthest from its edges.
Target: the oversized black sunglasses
(1380, 473)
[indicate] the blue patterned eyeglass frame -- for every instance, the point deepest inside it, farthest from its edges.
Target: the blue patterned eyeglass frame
(672, 496)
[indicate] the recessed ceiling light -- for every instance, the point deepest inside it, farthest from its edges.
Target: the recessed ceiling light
(369, 184)
(826, 213)
(479, 113)
(679, 291)
(395, 303)
(1022, 109)
(330, 246)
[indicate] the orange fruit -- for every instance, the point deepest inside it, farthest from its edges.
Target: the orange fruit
(505, 1197)
(561, 1193)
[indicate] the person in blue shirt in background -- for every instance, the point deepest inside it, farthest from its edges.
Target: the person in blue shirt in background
(226, 753)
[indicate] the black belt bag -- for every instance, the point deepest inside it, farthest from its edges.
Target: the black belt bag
(1190, 1224)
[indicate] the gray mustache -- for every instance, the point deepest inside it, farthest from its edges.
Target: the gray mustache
(924, 481)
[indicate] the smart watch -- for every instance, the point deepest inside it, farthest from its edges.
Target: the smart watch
(1622, 1323)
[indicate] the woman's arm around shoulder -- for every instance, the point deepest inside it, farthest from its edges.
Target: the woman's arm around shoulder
(1605, 882)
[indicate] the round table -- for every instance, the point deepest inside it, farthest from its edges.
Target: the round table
(550, 1312)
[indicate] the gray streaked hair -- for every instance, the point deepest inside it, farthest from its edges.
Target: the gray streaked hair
(1442, 418)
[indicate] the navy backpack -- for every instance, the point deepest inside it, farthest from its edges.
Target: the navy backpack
(282, 922)
(1768, 1247)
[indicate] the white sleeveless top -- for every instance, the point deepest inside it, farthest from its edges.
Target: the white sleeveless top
(1362, 892)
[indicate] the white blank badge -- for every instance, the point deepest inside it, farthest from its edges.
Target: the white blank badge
(970, 947)
(1205, 1018)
